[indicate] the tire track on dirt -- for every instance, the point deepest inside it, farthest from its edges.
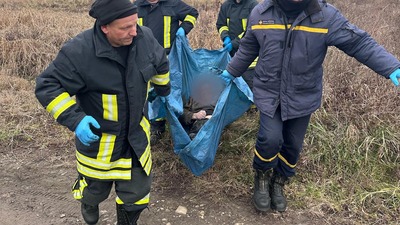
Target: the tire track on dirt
(29, 191)
(42, 192)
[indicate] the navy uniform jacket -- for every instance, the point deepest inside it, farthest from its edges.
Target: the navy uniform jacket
(289, 69)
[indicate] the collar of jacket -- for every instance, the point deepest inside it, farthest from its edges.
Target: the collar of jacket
(145, 2)
(103, 48)
(313, 9)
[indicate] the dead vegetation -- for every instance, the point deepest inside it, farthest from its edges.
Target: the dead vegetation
(349, 171)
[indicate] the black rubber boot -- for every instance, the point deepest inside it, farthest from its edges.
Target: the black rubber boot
(90, 213)
(261, 198)
(278, 199)
(125, 217)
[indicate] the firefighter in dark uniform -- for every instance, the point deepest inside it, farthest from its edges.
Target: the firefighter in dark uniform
(291, 39)
(166, 18)
(108, 69)
(231, 25)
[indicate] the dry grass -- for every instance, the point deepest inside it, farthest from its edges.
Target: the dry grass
(350, 167)
(30, 38)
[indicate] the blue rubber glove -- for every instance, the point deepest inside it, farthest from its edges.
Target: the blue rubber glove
(395, 76)
(180, 32)
(227, 77)
(83, 131)
(227, 40)
(228, 47)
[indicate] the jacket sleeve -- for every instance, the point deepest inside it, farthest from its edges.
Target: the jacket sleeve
(187, 14)
(236, 42)
(55, 88)
(359, 44)
(186, 117)
(161, 81)
(222, 23)
(246, 54)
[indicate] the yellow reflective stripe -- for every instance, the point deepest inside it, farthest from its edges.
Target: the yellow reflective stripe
(286, 162)
(244, 23)
(60, 104)
(167, 31)
(241, 35)
(97, 164)
(263, 159)
(145, 158)
(109, 175)
(140, 21)
(268, 26)
(149, 165)
(222, 29)
(254, 63)
(106, 147)
(144, 200)
(160, 79)
(146, 127)
(191, 19)
(311, 29)
(282, 27)
(110, 107)
(78, 193)
(118, 201)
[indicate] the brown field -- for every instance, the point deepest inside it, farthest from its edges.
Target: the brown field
(349, 171)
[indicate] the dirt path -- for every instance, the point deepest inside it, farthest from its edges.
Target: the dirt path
(35, 190)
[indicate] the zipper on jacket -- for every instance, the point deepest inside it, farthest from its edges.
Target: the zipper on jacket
(287, 29)
(127, 111)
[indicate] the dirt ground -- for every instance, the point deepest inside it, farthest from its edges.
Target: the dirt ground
(35, 190)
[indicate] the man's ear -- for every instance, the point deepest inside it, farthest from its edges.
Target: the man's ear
(104, 28)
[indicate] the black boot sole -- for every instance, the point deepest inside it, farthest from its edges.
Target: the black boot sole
(278, 209)
(269, 209)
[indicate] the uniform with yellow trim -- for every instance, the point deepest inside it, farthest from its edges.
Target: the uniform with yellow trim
(232, 23)
(91, 77)
(165, 17)
(290, 39)
(232, 20)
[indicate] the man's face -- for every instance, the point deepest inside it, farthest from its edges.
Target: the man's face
(121, 32)
(152, 1)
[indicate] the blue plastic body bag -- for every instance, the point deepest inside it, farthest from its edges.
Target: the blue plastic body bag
(198, 154)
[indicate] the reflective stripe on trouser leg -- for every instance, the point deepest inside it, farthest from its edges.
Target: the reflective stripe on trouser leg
(78, 187)
(91, 192)
(134, 194)
(269, 142)
(138, 205)
(294, 131)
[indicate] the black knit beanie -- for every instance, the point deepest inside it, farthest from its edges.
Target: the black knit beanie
(106, 11)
